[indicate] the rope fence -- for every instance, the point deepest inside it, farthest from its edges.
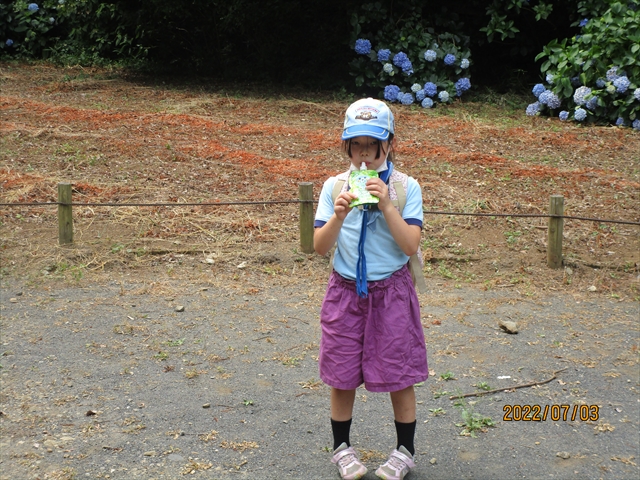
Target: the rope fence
(305, 200)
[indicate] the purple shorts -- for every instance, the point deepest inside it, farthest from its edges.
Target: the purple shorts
(376, 340)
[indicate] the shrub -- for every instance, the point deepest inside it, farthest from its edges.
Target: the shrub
(407, 61)
(594, 75)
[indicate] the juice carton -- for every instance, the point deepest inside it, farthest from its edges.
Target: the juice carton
(357, 182)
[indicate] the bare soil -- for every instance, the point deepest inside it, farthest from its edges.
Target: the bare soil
(104, 376)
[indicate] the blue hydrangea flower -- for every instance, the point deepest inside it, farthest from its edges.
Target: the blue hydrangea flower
(9, 42)
(592, 103)
(601, 82)
(52, 20)
(612, 74)
(580, 94)
(33, 7)
(399, 59)
(430, 55)
(391, 93)
(427, 103)
(549, 78)
(462, 85)
(575, 81)
(407, 99)
(620, 122)
(400, 96)
(449, 59)
(533, 109)
(464, 63)
(580, 114)
(430, 89)
(443, 96)
(636, 94)
(407, 68)
(622, 84)
(415, 87)
(563, 115)
(636, 124)
(388, 68)
(363, 46)
(420, 95)
(583, 22)
(538, 89)
(383, 55)
(549, 99)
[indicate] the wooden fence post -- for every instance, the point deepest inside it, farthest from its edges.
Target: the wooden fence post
(554, 238)
(306, 216)
(65, 216)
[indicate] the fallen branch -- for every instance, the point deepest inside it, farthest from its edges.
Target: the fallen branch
(532, 384)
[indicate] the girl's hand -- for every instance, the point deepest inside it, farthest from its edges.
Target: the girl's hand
(377, 187)
(341, 208)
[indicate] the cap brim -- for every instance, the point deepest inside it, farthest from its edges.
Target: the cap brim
(365, 130)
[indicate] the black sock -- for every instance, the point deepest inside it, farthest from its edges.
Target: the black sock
(340, 432)
(406, 432)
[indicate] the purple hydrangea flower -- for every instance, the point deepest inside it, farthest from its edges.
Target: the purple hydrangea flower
(533, 109)
(427, 103)
(636, 124)
(391, 93)
(9, 42)
(622, 84)
(363, 46)
(538, 89)
(636, 94)
(407, 99)
(430, 89)
(443, 96)
(33, 7)
(384, 54)
(464, 63)
(430, 55)
(563, 115)
(449, 59)
(580, 94)
(580, 114)
(462, 85)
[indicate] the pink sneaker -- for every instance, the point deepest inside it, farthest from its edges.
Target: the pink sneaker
(347, 461)
(399, 463)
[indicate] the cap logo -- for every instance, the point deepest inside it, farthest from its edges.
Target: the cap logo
(366, 114)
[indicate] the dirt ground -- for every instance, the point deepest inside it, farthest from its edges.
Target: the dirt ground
(105, 376)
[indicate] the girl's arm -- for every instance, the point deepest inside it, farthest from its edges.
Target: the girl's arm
(325, 237)
(406, 236)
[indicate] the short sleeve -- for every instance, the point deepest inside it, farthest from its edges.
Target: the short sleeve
(325, 203)
(413, 212)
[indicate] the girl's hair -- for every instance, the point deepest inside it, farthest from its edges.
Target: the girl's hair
(346, 148)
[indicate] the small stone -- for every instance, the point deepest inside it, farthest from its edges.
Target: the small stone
(432, 461)
(593, 288)
(180, 308)
(150, 454)
(206, 405)
(13, 300)
(564, 455)
(174, 457)
(509, 327)
(210, 261)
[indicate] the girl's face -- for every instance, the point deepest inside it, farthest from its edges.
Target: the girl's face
(365, 149)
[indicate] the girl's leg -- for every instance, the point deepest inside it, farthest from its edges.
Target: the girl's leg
(341, 413)
(404, 410)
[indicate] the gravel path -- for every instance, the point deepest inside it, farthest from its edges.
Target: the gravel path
(161, 380)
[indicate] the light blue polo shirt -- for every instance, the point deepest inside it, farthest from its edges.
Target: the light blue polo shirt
(384, 256)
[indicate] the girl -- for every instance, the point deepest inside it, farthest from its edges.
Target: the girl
(370, 316)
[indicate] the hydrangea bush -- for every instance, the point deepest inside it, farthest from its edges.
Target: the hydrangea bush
(594, 76)
(407, 62)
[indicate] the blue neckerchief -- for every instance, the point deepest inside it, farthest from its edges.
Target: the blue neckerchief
(361, 267)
